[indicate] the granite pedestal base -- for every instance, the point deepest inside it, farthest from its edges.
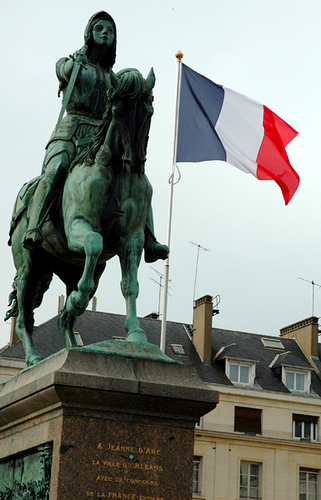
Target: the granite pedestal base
(118, 428)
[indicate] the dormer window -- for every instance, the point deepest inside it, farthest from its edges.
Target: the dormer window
(296, 380)
(240, 372)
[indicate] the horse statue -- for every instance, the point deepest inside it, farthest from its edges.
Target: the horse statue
(102, 212)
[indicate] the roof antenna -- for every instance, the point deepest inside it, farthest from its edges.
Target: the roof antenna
(199, 247)
(160, 284)
(313, 283)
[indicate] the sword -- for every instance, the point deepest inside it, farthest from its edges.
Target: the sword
(71, 83)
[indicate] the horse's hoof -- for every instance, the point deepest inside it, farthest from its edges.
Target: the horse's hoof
(33, 360)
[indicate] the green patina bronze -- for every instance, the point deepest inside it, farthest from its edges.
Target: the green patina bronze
(92, 200)
(27, 476)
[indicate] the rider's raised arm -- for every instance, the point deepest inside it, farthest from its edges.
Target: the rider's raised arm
(65, 65)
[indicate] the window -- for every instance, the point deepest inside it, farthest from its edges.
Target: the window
(79, 340)
(305, 427)
(250, 480)
(178, 349)
(240, 373)
(272, 343)
(308, 484)
(197, 471)
(247, 420)
(296, 380)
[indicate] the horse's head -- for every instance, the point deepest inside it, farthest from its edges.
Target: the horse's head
(131, 105)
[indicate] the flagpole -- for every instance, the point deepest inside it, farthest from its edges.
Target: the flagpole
(179, 57)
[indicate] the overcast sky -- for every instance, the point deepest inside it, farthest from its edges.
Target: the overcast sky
(258, 248)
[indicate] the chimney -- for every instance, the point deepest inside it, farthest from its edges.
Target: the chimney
(306, 334)
(202, 327)
(13, 333)
(61, 303)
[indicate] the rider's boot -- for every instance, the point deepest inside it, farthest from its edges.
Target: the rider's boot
(153, 250)
(46, 193)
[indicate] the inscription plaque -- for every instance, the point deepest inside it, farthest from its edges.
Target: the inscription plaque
(127, 461)
(133, 466)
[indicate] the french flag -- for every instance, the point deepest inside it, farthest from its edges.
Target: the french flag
(216, 123)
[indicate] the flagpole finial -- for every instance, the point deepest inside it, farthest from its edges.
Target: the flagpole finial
(179, 55)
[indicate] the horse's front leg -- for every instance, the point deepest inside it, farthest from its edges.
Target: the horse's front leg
(83, 239)
(67, 320)
(130, 256)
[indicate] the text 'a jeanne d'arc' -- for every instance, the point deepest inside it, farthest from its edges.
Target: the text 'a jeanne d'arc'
(129, 449)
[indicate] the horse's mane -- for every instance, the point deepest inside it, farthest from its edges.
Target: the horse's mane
(130, 83)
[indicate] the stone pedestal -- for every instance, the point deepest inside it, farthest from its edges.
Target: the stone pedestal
(119, 428)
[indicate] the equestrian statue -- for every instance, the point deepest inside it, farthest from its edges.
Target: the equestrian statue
(92, 200)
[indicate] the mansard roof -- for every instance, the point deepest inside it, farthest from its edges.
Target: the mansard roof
(94, 326)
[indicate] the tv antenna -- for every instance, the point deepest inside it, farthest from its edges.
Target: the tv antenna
(313, 283)
(199, 247)
(160, 284)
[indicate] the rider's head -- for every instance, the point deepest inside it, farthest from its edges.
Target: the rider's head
(89, 40)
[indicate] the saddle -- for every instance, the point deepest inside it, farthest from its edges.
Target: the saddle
(22, 202)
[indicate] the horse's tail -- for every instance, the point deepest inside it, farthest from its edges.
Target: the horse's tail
(13, 301)
(13, 310)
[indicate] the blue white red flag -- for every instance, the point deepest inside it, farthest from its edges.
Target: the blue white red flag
(216, 123)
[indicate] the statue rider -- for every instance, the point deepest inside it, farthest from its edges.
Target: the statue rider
(85, 107)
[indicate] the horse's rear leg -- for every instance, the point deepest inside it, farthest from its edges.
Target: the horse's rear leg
(83, 239)
(130, 256)
(26, 290)
(31, 270)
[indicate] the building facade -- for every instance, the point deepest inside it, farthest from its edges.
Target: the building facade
(281, 460)
(263, 439)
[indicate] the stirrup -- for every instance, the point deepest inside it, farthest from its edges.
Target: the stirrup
(32, 239)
